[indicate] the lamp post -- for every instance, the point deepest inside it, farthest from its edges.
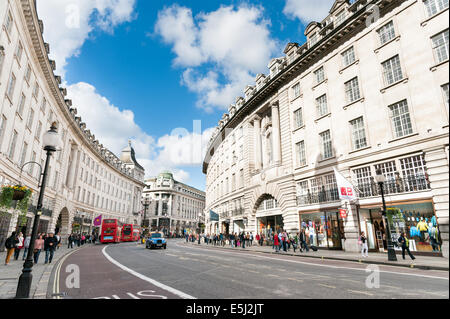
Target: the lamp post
(381, 179)
(145, 203)
(51, 142)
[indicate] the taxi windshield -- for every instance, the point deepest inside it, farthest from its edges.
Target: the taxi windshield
(156, 235)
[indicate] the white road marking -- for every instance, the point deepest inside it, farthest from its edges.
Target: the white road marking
(360, 292)
(328, 266)
(145, 278)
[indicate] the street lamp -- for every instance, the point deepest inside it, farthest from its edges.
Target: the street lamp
(145, 203)
(51, 142)
(381, 179)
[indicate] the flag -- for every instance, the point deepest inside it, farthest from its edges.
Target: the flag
(345, 188)
(98, 221)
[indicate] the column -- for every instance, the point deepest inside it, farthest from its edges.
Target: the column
(73, 166)
(437, 169)
(351, 228)
(257, 134)
(276, 135)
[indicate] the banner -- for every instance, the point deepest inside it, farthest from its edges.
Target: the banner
(213, 217)
(345, 188)
(98, 221)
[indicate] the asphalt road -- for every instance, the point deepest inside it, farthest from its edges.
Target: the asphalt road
(129, 271)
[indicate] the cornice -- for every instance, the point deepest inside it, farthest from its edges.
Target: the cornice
(41, 49)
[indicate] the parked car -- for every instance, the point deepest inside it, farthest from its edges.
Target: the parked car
(156, 240)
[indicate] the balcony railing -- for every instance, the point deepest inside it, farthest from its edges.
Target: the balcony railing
(411, 183)
(45, 211)
(318, 197)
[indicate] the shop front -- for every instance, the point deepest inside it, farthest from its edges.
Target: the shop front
(225, 227)
(267, 225)
(417, 220)
(238, 225)
(323, 229)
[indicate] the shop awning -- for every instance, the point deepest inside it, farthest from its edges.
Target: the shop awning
(214, 217)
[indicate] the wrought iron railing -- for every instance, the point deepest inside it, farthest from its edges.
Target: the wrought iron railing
(318, 197)
(411, 183)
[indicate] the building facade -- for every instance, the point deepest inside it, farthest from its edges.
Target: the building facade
(173, 206)
(85, 180)
(368, 90)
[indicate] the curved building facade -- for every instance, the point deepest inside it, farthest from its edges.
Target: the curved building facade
(359, 95)
(85, 180)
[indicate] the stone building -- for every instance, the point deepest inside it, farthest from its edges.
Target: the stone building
(173, 206)
(368, 90)
(85, 180)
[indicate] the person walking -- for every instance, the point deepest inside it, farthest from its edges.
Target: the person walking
(38, 246)
(10, 245)
(26, 246)
(404, 242)
(19, 246)
(276, 243)
(251, 239)
(70, 241)
(50, 246)
(303, 244)
(364, 248)
(58, 238)
(243, 239)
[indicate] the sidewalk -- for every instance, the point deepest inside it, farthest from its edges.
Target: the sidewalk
(9, 275)
(421, 262)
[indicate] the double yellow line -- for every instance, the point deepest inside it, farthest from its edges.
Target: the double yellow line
(57, 275)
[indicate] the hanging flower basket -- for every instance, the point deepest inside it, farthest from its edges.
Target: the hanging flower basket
(18, 194)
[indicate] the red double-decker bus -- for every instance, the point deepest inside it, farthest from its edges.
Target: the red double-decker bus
(111, 231)
(131, 232)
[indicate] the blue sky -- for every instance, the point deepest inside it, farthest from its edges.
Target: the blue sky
(137, 69)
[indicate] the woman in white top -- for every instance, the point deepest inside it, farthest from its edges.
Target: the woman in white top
(19, 246)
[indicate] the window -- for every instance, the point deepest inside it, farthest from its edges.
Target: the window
(440, 46)
(9, 23)
(43, 105)
(321, 105)
(296, 90)
(38, 131)
(348, 57)
(435, 6)
(30, 118)
(21, 104)
(241, 178)
(340, 17)
(233, 182)
(19, 51)
(2, 128)
(392, 70)
(327, 150)
(24, 154)
(12, 146)
(11, 85)
(414, 173)
(387, 32)
(36, 90)
(298, 117)
(28, 73)
(400, 119)
(352, 90)
(445, 91)
(2, 59)
(31, 168)
(301, 154)
(358, 133)
(320, 75)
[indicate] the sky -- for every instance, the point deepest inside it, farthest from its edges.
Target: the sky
(161, 73)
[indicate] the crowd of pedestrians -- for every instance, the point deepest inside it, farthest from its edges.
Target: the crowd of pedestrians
(81, 239)
(16, 245)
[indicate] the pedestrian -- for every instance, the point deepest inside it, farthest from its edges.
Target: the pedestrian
(363, 243)
(251, 239)
(404, 242)
(303, 244)
(49, 246)
(276, 243)
(19, 246)
(243, 239)
(70, 241)
(26, 246)
(10, 245)
(38, 246)
(58, 238)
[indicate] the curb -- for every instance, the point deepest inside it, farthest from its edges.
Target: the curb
(424, 267)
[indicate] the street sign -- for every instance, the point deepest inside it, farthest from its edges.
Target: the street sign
(343, 213)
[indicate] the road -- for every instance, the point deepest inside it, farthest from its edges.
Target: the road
(129, 271)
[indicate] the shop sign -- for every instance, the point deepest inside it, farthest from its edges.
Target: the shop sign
(343, 213)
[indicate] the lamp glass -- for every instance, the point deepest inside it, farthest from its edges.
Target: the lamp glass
(379, 177)
(51, 139)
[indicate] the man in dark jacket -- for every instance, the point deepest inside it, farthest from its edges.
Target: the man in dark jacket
(50, 244)
(10, 245)
(404, 242)
(302, 240)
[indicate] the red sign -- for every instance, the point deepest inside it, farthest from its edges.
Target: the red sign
(343, 213)
(346, 191)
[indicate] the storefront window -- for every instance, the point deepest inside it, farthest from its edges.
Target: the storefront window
(270, 224)
(323, 229)
(419, 223)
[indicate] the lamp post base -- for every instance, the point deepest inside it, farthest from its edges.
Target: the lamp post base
(391, 255)
(24, 285)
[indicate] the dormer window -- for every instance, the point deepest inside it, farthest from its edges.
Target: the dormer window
(313, 39)
(340, 17)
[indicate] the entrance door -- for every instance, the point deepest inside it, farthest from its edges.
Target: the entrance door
(334, 233)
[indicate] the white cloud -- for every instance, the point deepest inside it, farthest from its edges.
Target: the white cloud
(68, 23)
(182, 147)
(307, 10)
(222, 50)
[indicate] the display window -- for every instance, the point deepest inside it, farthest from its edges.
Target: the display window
(324, 229)
(270, 224)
